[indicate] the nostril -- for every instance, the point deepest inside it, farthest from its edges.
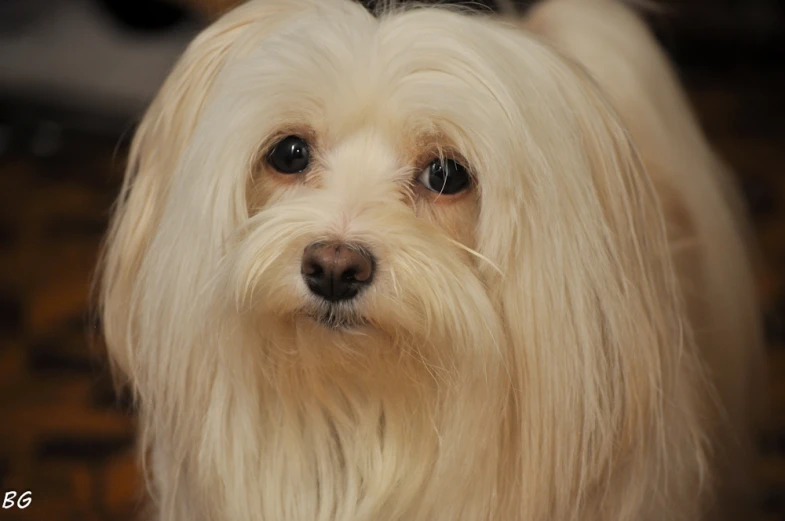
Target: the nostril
(312, 269)
(362, 270)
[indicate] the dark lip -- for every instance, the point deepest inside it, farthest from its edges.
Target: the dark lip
(335, 319)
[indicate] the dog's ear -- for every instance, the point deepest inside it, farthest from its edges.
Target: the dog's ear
(590, 299)
(155, 153)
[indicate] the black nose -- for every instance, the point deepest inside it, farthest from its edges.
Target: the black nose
(336, 271)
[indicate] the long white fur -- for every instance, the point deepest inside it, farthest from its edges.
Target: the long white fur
(578, 342)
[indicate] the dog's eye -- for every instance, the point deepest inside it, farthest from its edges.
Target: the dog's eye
(445, 176)
(290, 156)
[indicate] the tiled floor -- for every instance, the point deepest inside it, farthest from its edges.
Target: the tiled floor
(65, 437)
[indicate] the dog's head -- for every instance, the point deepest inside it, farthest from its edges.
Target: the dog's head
(424, 200)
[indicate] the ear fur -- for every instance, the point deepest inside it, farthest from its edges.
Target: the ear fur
(156, 150)
(708, 229)
(590, 297)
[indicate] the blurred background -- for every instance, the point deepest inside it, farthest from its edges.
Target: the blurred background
(75, 76)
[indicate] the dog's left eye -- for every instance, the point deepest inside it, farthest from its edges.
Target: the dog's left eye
(445, 176)
(291, 155)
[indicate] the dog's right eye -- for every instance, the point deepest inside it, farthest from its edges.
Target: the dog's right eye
(290, 155)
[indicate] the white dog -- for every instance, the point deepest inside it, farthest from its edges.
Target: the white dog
(432, 266)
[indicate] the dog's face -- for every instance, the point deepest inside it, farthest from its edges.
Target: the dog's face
(362, 174)
(408, 219)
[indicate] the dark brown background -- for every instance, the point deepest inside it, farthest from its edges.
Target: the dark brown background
(66, 437)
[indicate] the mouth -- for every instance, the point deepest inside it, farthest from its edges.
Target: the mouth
(332, 316)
